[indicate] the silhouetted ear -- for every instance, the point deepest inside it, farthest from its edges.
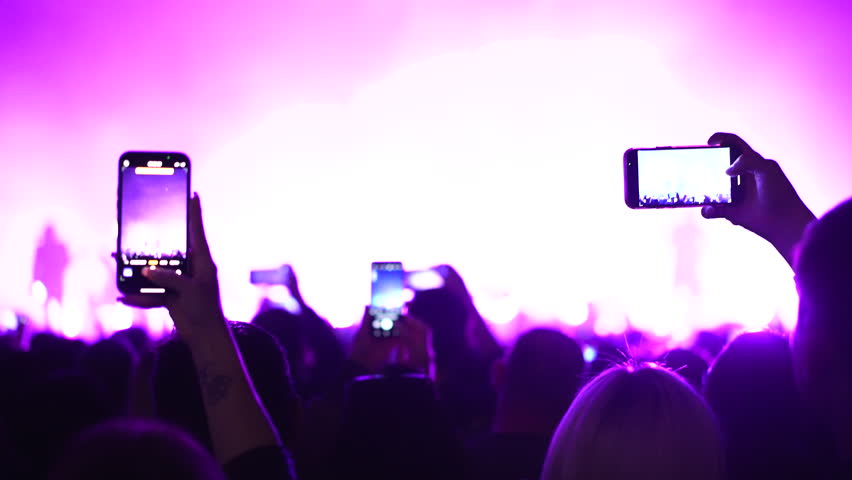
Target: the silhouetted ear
(498, 374)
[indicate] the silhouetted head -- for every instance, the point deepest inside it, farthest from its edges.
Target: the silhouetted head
(822, 349)
(136, 338)
(393, 427)
(178, 396)
(687, 364)
(446, 314)
(313, 351)
(287, 329)
(110, 364)
(710, 344)
(136, 450)
(540, 377)
(463, 377)
(636, 422)
(48, 235)
(56, 408)
(752, 390)
(54, 353)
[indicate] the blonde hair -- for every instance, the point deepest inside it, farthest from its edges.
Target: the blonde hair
(635, 422)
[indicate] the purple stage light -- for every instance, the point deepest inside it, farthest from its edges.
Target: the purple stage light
(416, 134)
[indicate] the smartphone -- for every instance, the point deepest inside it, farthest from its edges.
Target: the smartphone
(153, 217)
(276, 276)
(388, 298)
(672, 177)
(276, 284)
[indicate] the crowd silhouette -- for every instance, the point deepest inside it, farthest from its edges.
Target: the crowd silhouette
(284, 397)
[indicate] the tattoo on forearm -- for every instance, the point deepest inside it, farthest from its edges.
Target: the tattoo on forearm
(214, 386)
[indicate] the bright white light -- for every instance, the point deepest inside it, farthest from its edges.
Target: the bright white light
(425, 280)
(513, 130)
(158, 321)
(71, 326)
(54, 315)
(114, 317)
(573, 312)
(589, 353)
(39, 292)
(498, 310)
(8, 320)
(386, 324)
(611, 319)
(280, 295)
(154, 171)
(407, 295)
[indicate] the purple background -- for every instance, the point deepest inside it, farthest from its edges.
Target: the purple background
(497, 128)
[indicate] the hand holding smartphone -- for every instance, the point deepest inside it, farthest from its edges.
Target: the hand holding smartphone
(153, 218)
(673, 177)
(387, 299)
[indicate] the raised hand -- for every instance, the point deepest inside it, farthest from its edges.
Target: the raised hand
(369, 352)
(415, 345)
(771, 208)
(195, 304)
(237, 419)
(412, 348)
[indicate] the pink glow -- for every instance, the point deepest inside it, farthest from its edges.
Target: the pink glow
(494, 131)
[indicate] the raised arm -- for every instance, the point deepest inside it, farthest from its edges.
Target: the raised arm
(771, 208)
(237, 419)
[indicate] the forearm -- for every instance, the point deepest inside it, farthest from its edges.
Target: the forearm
(237, 419)
(786, 238)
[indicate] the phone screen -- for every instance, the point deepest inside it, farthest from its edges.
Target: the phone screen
(277, 276)
(388, 297)
(680, 177)
(153, 208)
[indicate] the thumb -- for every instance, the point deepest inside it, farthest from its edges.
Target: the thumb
(713, 211)
(165, 278)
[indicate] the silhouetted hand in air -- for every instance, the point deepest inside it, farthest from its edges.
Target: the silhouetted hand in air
(237, 420)
(412, 348)
(195, 305)
(771, 208)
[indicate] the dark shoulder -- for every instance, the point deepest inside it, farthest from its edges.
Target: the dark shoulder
(266, 463)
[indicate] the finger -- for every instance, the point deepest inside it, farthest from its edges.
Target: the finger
(197, 238)
(366, 320)
(747, 163)
(714, 211)
(414, 324)
(730, 140)
(165, 278)
(143, 301)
